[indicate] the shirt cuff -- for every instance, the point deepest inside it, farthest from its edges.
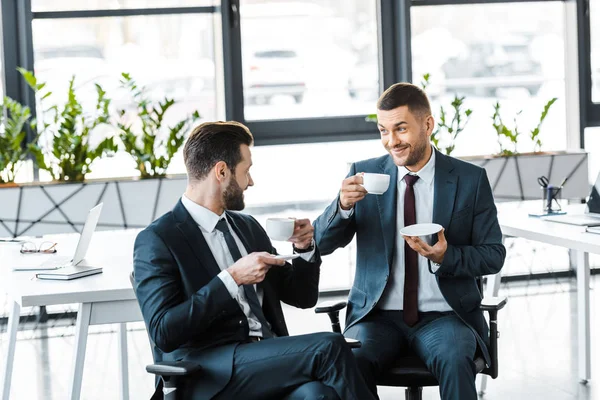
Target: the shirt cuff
(434, 267)
(229, 283)
(345, 214)
(308, 257)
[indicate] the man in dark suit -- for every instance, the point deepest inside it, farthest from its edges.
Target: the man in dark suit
(210, 288)
(412, 292)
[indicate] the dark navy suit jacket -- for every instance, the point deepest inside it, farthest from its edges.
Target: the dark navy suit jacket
(187, 309)
(463, 204)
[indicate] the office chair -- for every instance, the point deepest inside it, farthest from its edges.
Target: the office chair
(409, 371)
(168, 373)
(171, 374)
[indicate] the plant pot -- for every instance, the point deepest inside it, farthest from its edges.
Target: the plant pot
(515, 177)
(45, 208)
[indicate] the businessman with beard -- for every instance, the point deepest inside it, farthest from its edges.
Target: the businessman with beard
(210, 289)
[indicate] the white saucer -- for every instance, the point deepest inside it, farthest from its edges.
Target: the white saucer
(286, 257)
(420, 229)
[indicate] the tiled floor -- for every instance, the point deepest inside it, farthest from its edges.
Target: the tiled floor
(538, 358)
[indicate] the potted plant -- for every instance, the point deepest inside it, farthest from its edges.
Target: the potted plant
(513, 174)
(151, 148)
(14, 121)
(69, 130)
(42, 207)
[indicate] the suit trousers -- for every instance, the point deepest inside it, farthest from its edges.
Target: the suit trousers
(445, 344)
(313, 366)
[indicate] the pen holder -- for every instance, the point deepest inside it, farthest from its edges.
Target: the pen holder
(551, 199)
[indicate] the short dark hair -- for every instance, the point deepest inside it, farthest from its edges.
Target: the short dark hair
(405, 94)
(212, 142)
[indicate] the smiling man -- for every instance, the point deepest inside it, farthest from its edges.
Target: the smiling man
(411, 293)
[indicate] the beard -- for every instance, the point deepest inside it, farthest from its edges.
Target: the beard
(233, 196)
(415, 153)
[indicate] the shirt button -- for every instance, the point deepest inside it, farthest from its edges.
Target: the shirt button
(241, 322)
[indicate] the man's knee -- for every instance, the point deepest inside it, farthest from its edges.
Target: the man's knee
(313, 391)
(453, 363)
(332, 342)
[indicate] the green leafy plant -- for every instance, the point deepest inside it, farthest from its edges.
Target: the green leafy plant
(504, 132)
(151, 149)
(449, 124)
(69, 130)
(14, 121)
(534, 134)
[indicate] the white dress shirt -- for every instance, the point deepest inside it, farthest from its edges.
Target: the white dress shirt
(430, 297)
(207, 221)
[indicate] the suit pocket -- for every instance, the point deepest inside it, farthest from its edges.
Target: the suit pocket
(462, 213)
(470, 301)
(357, 297)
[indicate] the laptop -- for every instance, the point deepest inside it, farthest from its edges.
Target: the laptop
(592, 215)
(55, 262)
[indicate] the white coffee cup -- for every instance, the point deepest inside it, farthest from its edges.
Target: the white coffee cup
(280, 228)
(376, 183)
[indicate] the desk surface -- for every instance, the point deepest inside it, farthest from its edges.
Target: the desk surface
(515, 221)
(111, 250)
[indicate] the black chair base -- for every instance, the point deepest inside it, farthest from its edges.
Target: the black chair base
(414, 393)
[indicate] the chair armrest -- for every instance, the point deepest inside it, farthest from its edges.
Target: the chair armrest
(493, 303)
(330, 306)
(172, 368)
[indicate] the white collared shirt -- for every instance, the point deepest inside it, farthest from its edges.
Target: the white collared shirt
(430, 297)
(207, 222)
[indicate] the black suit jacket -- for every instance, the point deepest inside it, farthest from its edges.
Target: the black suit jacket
(187, 309)
(463, 204)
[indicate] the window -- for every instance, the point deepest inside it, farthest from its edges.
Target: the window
(512, 53)
(304, 59)
(595, 49)
(171, 55)
(69, 5)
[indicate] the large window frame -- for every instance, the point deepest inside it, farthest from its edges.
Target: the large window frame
(590, 110)
(394, 44)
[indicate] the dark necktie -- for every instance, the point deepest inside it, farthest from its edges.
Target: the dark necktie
(411, 258)
(251, 295)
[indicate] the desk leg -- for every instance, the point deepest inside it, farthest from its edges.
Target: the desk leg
(123, 368)
(13, 325)
(583, 316)
(81, 333)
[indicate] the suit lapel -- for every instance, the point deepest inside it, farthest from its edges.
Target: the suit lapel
(192, 234)
(387, 207)
(444, 192)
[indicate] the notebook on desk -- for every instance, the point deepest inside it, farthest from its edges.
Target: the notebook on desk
(68, 273)
(593, 229)
(590, 218)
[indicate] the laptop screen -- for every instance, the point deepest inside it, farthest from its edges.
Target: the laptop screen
(594, 200)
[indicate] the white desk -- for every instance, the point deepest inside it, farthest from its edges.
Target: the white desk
(106, 298)
(514, 221)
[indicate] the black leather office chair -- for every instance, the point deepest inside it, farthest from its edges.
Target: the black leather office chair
(409, 371)
(171, 374)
